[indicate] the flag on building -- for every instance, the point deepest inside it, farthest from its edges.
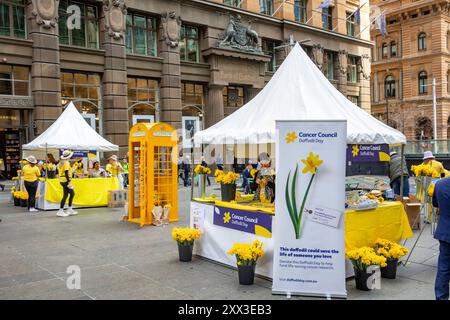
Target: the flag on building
(357, 16)
(383, 26)
(325, 4)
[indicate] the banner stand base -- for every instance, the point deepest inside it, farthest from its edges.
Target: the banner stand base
(309, 294)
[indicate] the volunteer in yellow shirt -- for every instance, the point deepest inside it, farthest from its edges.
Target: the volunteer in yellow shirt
(78, 168)
(31, 174)
(429, 159)
(65, 177)
(115, 169)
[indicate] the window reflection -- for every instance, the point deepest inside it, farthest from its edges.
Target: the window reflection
(12, 18)
(87, 35)
(14, 80)
(84, 90)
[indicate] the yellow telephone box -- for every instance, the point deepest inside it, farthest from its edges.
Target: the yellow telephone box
(153, 172)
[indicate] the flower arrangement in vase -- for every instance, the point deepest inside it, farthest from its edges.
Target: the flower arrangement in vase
(202, 172)
(246, 257)
(185, 238)
(392, 252)
(227, 184)
(50, 170)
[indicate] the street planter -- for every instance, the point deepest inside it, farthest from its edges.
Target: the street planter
(390, 271)
(228, 192)
(51, 174)
(185, 252)
(361, 279)
(246, 274)
(23, 202)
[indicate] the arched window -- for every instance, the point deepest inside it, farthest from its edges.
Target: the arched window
(423, 86)
(384, 50)
(448, 81)
(389, 87)
(422, 41)
(424, 128)
(393, 49)
(448, 127)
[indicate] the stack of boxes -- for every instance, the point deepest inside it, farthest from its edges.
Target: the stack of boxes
(117, 198)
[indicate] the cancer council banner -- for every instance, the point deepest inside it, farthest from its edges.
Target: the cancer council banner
(308, 229)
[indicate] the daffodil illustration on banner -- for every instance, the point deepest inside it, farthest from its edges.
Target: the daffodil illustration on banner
(312, 162)
(308, 229)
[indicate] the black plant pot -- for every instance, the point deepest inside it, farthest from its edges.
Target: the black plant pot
(228, 192)
(185, 252)
(16, 202)
(246, 274)
(23, 203)
(390, 271)
(361, 277)
(51, 174)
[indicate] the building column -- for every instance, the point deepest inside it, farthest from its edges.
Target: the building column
(364, 83)
(45, 70)
(214, 110)
(170, 87)
(115, 101)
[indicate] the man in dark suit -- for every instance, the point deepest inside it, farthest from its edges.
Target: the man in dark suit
(441, 199)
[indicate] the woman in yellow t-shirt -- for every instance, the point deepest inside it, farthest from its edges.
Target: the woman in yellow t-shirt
(430, 159)
(31, 174)
(115, 169)
(78, 168)
(65, 177)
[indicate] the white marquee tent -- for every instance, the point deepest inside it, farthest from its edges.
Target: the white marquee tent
(297, 91)
(70, 131)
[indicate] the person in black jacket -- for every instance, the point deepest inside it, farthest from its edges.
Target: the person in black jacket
(186, 168)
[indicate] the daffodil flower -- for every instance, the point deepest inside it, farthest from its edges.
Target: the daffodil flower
(291, 137)
(226, 217)
(311, 163)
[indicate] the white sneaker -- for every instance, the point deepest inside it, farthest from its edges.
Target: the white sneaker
(71, 212)
(33, 210)
(61, 213)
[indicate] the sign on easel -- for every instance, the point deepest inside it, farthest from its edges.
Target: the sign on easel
(308, 231)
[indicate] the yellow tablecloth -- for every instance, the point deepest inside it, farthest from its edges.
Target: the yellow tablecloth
(89, 192)
(388, 221)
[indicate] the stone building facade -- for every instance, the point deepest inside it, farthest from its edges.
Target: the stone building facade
(415, 50)
(125, 61)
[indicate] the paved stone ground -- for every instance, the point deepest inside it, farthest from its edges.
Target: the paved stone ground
(119, 260)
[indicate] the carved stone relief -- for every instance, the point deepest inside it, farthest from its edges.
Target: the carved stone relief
(171, 28)
(239, 37)
(317, 52)
(46, 12)
(343, 61)
(115, 17)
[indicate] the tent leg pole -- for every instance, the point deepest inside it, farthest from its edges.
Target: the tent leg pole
(46, 153)
(401, 170)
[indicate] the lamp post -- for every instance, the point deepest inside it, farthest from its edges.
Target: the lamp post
(434, 115)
